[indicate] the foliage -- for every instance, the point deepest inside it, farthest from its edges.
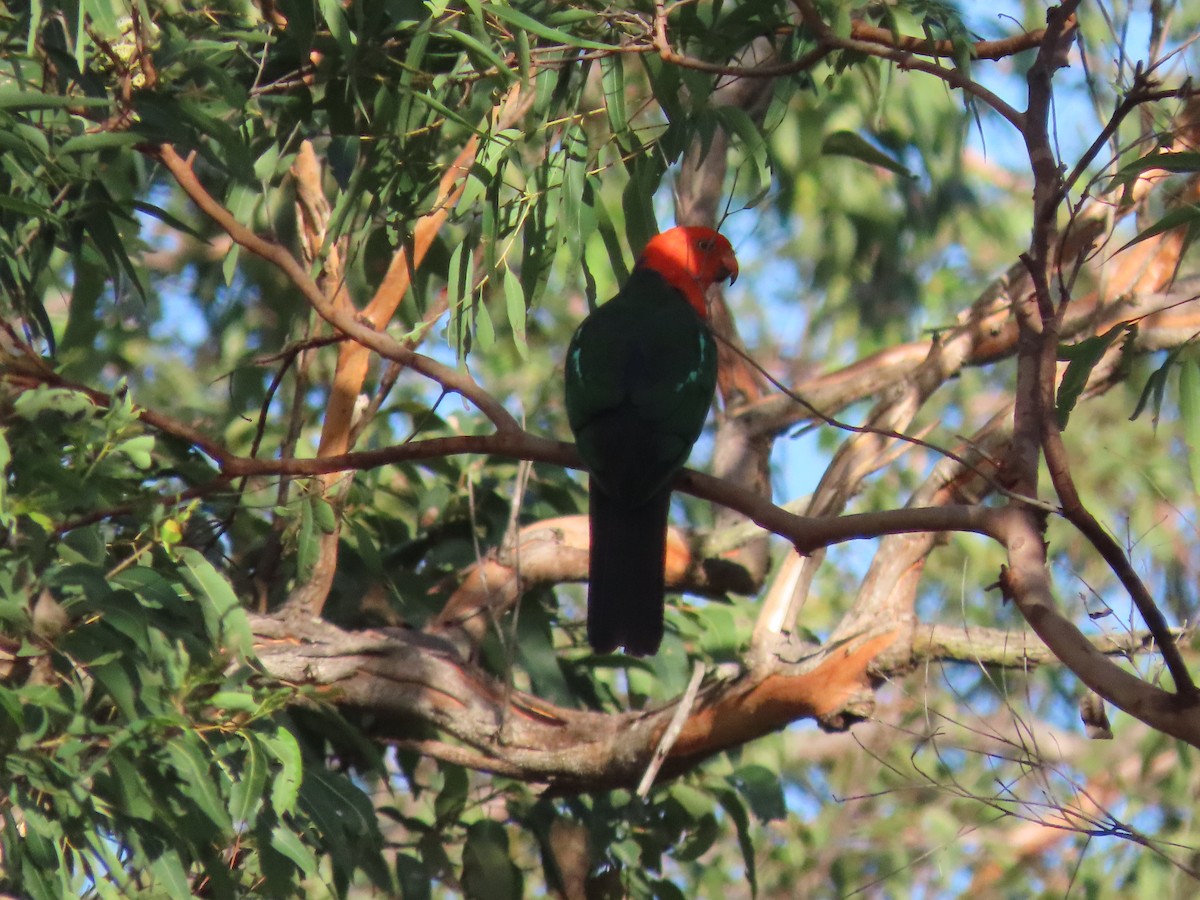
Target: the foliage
(284, 617)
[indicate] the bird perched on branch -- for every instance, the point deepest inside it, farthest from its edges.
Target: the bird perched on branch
(640, 375)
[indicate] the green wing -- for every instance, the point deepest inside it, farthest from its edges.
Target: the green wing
(640, 376)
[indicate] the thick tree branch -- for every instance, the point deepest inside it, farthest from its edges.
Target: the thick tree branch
(555, 551)
(404, 678)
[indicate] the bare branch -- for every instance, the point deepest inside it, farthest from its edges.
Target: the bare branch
(1016, 649)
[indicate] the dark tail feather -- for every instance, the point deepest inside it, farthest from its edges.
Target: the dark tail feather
(625, 600)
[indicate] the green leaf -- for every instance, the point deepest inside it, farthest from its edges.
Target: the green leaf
(486, 53)
(1083, 358)
(452, 798)
(107, 238)
(457, 289)
(1176, 218)
(750, 141)
(7, 518)
(514, 304)
(485, 331)
(234, 701)
(335, 17)
(413, 877)
(152, 589)
(96, 141)
(323, 515)
(1184, 162)
(488, 870)
(247, 792)
(555, 35)
(733, 806)
(289, 844)
(25, 208)
(762, 790)
(637, 201)
(442, 109)
(115, 679)
(308, 545)
(613, 81)
(1189, 415)
(30, 404)
(195, 779)
(173, 878)
(855, 146)
(695, 802)
(136, 798)
(138, 450)
(224, 618)
(285, 786)
(167, 218)
(17, 100)
(700, 838)
(1155, 389)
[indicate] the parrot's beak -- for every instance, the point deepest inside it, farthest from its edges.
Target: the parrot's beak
(728, 269)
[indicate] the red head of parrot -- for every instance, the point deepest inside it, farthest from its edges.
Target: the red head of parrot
(691, 259)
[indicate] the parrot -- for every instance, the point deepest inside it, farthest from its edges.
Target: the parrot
(640, 373)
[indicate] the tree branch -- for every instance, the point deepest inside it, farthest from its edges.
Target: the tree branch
(829, 40)
(1026, 581)
(1017, 649)
(459, 382)
(1039, 410)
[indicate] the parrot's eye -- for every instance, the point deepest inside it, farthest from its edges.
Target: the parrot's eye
(704, 244)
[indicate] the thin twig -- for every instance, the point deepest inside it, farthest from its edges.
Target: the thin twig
(888, 433)
(671, 735)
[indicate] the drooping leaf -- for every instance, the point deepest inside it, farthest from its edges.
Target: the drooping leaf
(223, 614)
(855, 146)
(285, 783)
(1082, 358)
(761, 789)
(489, 872)
(247, 793)
(196, 780)
(514, 303)
(1189, 414)
(734, 807)
(1155, 388)
(1188, 215)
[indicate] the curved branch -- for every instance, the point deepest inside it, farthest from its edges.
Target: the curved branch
(805, 532)
(555, 551)
(1026, 582)
(459, 382)
(403, 678)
